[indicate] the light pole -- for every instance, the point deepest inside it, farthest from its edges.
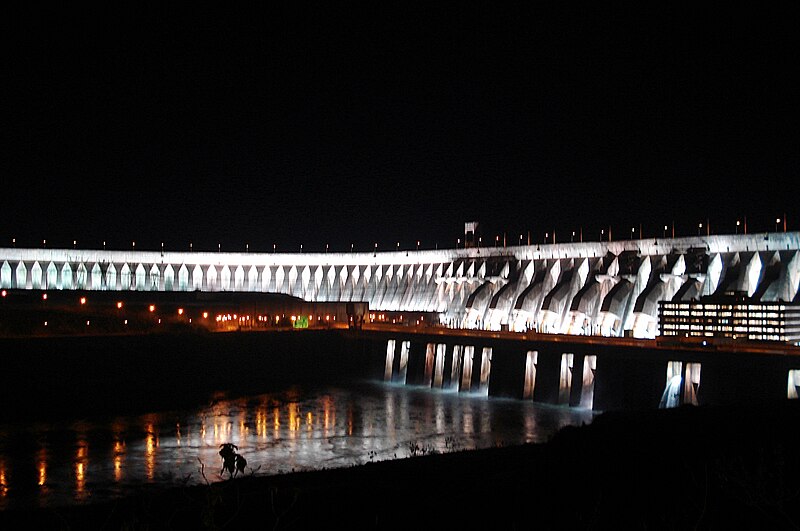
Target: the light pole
(777, 222)
(737, 226)
(699, 226)
(417, 245)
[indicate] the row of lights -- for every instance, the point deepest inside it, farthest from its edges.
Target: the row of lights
(219, 246)
(82, 301)
(221, 317)
(263, 318)
(604, 235)
(547, 235)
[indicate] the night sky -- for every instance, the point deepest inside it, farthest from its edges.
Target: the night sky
(346, 123)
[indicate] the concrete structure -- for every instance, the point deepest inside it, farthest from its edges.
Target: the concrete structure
(589, 288)
(602, 374)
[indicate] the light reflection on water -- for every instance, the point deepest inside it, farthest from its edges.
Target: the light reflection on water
(297, 429)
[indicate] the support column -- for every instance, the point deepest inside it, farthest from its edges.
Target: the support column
(389, 364)
(430, 364)
(565, 378)
(691, 383)
(589, 371)
(438, 366)
(531, 359)
(467, 364)
(793, 384)
(456, 366)
(486, 370)
(401, 363)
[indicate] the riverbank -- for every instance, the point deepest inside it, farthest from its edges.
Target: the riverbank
(706, 468)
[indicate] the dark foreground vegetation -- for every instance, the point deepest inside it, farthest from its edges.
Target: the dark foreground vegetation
(688, 468)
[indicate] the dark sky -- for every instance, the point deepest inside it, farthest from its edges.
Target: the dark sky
(345, 123)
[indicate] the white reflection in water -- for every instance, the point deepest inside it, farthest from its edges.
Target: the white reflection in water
(277, 433)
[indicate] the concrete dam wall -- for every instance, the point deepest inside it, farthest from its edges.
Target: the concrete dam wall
(609, 288)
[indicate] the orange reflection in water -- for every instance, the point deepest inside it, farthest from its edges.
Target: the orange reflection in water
(328, 415)
(119, 456)
(150, 446)
(294, 418)
(350, 420)
(261, 423)
(243, 427)
(81, 465)
(3, 488)
(276, 422)
(42, 466)
(80, 477)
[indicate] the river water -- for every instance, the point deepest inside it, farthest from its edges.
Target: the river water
(298, 428)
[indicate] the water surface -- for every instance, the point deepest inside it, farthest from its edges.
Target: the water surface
(298, 428)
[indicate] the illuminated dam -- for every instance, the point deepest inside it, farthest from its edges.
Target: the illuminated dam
(609, 288)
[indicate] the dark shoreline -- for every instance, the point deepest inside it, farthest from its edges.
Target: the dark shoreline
(687, 468)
